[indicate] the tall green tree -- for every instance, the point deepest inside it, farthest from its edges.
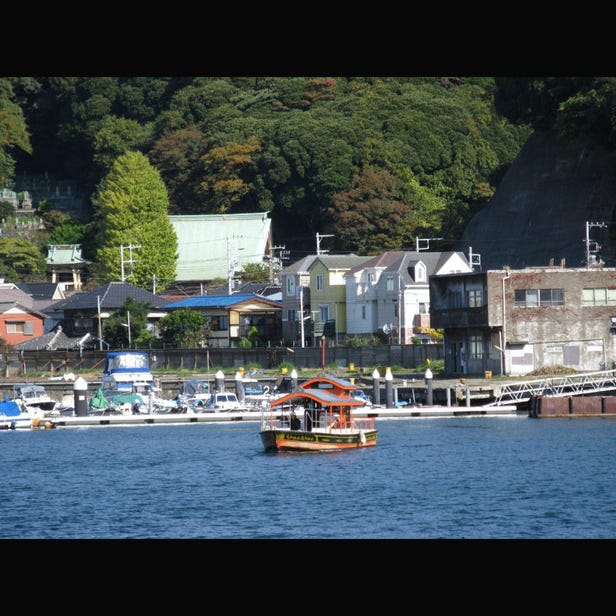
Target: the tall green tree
(133, 209)
(115, 137)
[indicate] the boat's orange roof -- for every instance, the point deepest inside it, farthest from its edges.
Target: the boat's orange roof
(324, 398)
(340, 387)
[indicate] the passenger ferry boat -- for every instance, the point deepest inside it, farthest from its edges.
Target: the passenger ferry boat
(318, 416)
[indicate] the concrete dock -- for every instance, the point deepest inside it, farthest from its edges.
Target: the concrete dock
(255, 416)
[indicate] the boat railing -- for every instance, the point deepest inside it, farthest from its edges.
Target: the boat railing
(281, 419)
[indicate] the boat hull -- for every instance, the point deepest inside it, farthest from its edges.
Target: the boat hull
(299, 440)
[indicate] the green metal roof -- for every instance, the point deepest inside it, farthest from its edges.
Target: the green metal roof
(206, 243)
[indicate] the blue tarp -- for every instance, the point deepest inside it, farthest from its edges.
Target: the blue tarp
(9, 408)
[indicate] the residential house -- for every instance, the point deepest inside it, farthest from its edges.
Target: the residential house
(19, 320)
(314, 287)
(85, 312)
(295, 281)
(58, 340)
(232, 317)
(390, 293)
(44, 296)
(516, 321)
(66, 265)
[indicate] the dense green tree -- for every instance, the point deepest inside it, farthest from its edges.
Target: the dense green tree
(13, 132)
(21, 261)
(290, 144)
(115, 137)
(7, 210)
(132, 208)
(227, 168)
(185, 327)
(177, 155)
(131, 315)
(370, 216)
(254, 272)
(577, 107)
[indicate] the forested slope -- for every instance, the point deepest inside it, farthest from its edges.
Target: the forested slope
(374, 161)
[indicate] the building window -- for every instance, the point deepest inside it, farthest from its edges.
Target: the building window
(598, 297)
(290, 285)
(474, 298)
(363, 312)
(420, 273)
(551, 297)
(324, 312)
(371, 277)
(15, 327)
(423, 308)
(531, 298)
(475, 346)
(220, 323)
(390, 283)
(290, 315)
(319, 282)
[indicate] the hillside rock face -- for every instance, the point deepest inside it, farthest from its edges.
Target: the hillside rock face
(540, 210)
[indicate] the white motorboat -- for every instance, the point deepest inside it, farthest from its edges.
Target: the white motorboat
(35, 401)
(11, 417)
(128, 373)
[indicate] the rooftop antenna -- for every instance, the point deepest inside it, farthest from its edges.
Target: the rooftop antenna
(319, 238)
(427, 241)
(130, 259)
(591, 253)
(473, 258)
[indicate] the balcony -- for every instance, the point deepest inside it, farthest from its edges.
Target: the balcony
(459, 317)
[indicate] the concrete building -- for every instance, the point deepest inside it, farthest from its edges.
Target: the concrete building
(516, 321)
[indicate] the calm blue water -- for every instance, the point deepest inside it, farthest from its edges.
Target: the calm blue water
(426, 479)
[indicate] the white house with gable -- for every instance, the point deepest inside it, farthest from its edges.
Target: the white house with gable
(390, 293)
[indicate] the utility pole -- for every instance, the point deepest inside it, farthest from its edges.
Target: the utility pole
(301, 315)
(100, 329)
(130, 259)
(590, 254)
(231, 263)
(319, 238)
(128, 326)
(284, 254)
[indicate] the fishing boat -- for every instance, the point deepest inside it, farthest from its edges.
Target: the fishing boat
(318, 416)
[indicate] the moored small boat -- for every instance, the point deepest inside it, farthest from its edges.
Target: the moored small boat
(34, 401)
(127, 373)
(11, 417)
(318, 416)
